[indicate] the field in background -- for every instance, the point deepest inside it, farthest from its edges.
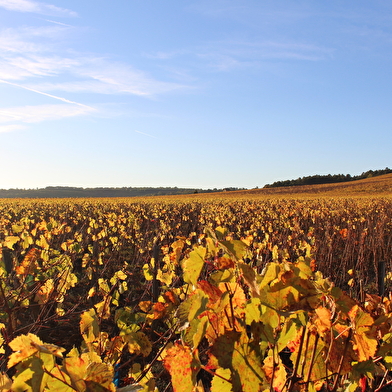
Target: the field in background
(60, 258)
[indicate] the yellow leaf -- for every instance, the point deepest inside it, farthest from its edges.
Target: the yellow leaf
(89, 326)
(323, 320)
(44, 292)
(220, 381)
(364, 333)
(5, 382)
(99, 377)
(275, 370)
(24, 347)
(27, 345)
(138, 343)
(193, 265)
(10, 241)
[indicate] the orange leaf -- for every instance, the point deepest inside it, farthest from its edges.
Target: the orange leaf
(171, 297)
(29, 263)
(364, 333)
(159, 310)
(182, 366)
(362, 383)
(323, 320)
(214, 294)
(224, 263)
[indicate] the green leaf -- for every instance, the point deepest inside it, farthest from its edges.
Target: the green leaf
(269, 274)
(235, 247)
(288, 333)
(248, 374)
(193, 265)
(223, 348)
(138, 343)
(253, 311)
(200, 331)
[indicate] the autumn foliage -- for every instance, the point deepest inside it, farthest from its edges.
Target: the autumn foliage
(226, 296)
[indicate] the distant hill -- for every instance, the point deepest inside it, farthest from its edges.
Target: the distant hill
(372, 186)
(328, 179)
(65, 192)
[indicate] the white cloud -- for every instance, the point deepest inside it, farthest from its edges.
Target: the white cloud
(11, 128)
(39, 113)
(35, 7)
(225, 55)
(23, 57)
(98, 75)
(34, 59)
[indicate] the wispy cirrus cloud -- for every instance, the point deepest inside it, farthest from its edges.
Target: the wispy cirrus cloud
(46, 94)
(36, 7)
(24, 59)
(39, 113)
(226, 55)
(34, 59)
(101, 76)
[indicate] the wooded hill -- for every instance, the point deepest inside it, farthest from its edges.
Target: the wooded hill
(65, 192)
(328, 179)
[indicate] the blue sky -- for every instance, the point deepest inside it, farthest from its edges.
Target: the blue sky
(192, 93)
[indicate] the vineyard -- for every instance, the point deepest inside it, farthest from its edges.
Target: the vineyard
(230, 292)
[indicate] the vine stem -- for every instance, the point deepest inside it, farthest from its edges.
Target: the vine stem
(335, 384)
(312, 361)
(59, 379)
(293, 376)
(214, 374)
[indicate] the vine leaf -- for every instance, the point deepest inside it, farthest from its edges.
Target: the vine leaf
(88, 373)
(249, 276)
(44, 292)
(138, 343)
(99, 377)
(27, 345)
(5, 382)
(29, 263)
(182, 366)
(365, 333)
(193, 265)
(279, 373)
(219, 384)
(89, 327)
(214, 293)
(224, 263)
(58, 382)
(248, 374)
(222, 350)
(322, 320)
(10, 241)
(237, 248)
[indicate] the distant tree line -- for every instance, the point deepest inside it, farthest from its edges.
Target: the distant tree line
(66, 191)
(328, 179)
